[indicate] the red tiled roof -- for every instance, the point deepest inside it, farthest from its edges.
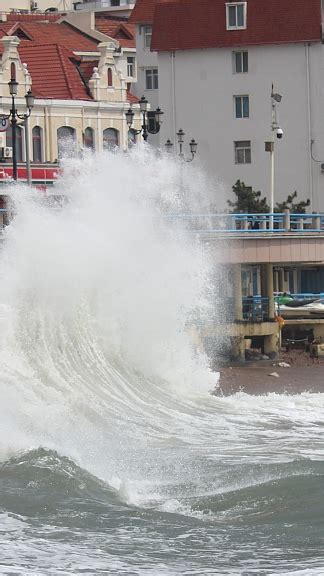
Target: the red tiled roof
(48, 49)
(54, 72)
(45, 32)
(143, 11)
(121, 30)
(188, 24)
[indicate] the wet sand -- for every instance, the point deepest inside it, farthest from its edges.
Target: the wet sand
(304, 375)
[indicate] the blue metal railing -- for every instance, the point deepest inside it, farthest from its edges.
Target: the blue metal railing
(252, 223)
(255, 308)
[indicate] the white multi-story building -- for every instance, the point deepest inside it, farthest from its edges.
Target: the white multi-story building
(217, 62)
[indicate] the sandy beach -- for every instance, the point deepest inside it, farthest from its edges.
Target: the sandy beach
(305, 374)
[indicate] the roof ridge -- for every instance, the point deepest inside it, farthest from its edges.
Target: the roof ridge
(128, 32)
(20, 25)
(59, 48)
(81, 32)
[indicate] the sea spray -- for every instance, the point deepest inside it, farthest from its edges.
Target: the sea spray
(98, 288)
(116, 459)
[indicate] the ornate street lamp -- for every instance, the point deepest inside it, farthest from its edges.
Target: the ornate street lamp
(192, 145)
(151, 121)
(13, 117)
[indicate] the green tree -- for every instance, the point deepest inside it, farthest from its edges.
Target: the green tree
(247, 200)
(295, 208)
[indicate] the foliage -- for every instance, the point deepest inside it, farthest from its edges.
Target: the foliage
(295, 208)
(248, 201)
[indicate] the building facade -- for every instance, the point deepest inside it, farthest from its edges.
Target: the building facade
(217, 64)
(81, 84)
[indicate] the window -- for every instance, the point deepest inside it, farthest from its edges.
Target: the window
(13, 71)
(147, 31)
(130, 66)
(88, 138)
(66, 141)
(242, 152)
(151, 79)
(109, 77)
(110, 139)
(241, 62)
(37, 144)
(19, 141)
(241, 106)
(131, 137)
(236, 15)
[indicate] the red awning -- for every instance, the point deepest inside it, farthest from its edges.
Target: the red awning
(44, 174)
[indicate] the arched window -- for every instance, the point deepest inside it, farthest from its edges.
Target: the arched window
(88, 139)
(13, 71)
(109, 77)
(110, 139)
(131, 137)
(37, 144)
(19, 141)
(66, 141)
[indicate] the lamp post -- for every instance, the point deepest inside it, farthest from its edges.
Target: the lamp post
(151, 120)
(13, 116)
(192, 145)
(269, 146)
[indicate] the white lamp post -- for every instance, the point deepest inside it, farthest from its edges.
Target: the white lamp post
(275, 128)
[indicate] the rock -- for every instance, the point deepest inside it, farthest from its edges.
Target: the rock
(252, 354)
(283, 364)
(275, 374)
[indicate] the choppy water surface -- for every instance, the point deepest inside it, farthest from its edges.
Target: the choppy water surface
(115, 457)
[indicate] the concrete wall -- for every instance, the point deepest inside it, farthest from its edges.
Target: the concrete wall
(289, 249)
(196, 93)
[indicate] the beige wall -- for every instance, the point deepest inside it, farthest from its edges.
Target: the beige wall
(51, 117)
(285, 249)
(107, 111)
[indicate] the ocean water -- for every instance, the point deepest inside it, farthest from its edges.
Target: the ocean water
(115, 457)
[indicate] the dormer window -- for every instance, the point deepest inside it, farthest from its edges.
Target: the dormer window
(236, 15)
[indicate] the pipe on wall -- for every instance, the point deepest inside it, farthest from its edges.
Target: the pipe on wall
(309, 128)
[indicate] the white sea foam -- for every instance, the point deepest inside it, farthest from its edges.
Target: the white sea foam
(97, 363)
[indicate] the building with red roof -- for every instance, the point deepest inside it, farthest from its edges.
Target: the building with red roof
(216, 63)
(81, 77)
